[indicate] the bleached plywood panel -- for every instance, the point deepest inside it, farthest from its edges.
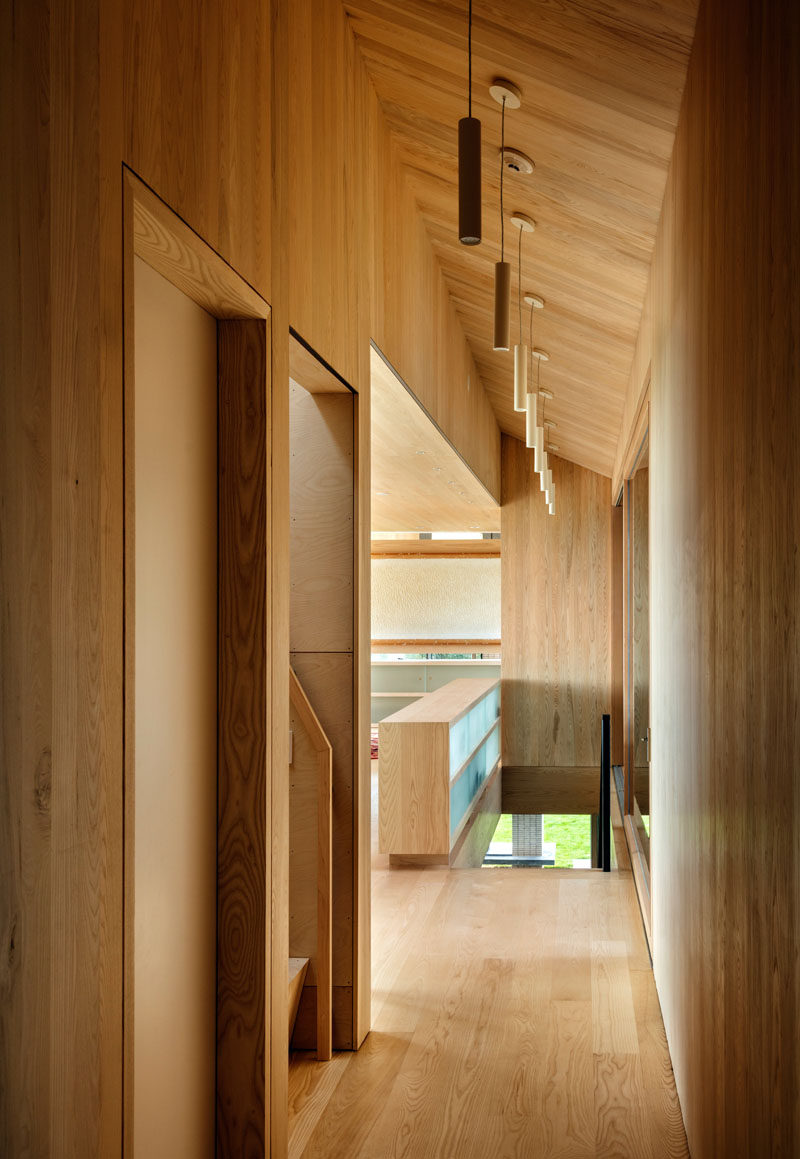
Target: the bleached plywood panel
(420, 482)
(321, 473)
(556, 658)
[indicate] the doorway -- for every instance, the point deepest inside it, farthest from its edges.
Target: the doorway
(198, 945)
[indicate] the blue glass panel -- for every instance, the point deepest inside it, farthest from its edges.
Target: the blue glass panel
(463, 791)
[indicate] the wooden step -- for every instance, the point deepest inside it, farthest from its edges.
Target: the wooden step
(297, 976)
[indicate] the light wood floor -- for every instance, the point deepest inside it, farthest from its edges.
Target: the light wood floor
(514, 1014)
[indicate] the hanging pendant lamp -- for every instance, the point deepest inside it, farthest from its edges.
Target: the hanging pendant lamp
(469, 163)
(525, 225)
(538, 451)
(505, 93)
(530, 399)
(540, 455)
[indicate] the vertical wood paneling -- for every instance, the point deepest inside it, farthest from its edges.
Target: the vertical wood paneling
(197, 120)
(243, 932)
(26, 631)
(197, 83)
(278, 573)
(617, 635)
(725, 427)
(556, 654)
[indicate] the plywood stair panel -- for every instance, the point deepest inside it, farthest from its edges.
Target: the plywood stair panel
(298, 968)
(310, 878)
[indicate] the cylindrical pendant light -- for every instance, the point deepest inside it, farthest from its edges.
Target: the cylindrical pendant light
(525, 225)
(543, 471)
(530, 422)
(531, 398)
(469, 163)
(502, 305)
(505, 94)
(538, 450)
(520, 377)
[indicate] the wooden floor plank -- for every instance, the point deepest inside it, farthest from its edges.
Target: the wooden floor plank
(514, 1016)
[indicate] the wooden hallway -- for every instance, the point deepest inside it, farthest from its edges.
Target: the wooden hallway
(514, 1015)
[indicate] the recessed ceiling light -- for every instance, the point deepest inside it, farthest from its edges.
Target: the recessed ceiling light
(552, 446)
(535, 300)
(548, 394)
(550, 423)
(420, 452)
(381, 492)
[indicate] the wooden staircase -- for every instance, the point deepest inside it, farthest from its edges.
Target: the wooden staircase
(310, 879)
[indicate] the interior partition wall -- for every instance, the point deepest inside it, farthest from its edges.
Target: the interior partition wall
(198, 921)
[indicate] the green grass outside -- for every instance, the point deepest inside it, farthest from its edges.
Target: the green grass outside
(572, 836)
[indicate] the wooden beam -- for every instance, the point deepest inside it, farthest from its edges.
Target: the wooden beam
(550, 789)
(435, 548)
(434, 645)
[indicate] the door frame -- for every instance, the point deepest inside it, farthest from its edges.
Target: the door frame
(252, 911)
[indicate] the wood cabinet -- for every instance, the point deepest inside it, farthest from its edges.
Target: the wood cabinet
(438, 759)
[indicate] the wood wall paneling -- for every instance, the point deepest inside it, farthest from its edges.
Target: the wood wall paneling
(28, 615)
(92, 87)
(556, 656)
(725, 523)
(197, 85)
(617, 634)
(278, 573)
(322, 521)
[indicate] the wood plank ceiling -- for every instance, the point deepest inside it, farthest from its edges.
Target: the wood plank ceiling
(601, 85)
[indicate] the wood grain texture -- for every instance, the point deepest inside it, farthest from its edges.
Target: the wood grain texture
(415, 772)
(362, 262)
(601, 94)
(243, 931)
(298, 968)
(311, 853)
(617, 635)
(436, 548)
(278, 576)
(565, 789)
(322, 521)
(205, 69)
(73, 74)
(327, 678)
(725, 676)
(556, 657)
(27, 625)
(419, 480)
(492, 991)
(173, 249)
(638, 708)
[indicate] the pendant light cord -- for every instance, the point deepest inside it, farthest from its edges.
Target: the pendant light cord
(502, 167)
(469, 54)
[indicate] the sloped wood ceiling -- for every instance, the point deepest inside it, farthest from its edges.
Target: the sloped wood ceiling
(601, 88)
